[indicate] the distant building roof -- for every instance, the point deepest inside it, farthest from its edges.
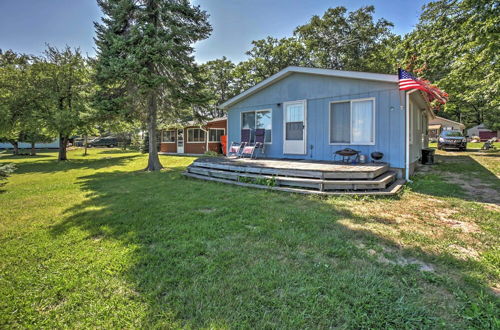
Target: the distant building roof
(441, 121)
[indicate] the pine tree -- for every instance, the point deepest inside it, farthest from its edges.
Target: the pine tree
(144, 66)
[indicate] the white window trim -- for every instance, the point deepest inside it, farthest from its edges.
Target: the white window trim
(169, 130)
(350, 109)
(215, 129)
(261, 110)
(192, 128)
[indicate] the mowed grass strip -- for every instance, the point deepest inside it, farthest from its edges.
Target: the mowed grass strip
(97, 242)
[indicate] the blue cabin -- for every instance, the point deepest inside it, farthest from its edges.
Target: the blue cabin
(310, 113)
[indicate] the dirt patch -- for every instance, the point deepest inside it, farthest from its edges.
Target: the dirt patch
(495, 290)
(399, 260)
(476, 189)
(402, 261)
(464, 253)
(445, 215)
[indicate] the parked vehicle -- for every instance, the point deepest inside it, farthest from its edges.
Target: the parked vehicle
(108, 141)
(452, 140)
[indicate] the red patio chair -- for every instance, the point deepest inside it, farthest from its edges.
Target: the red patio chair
(250, 149)
(236, 148)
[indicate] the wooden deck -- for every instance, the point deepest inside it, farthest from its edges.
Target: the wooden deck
(298, 175)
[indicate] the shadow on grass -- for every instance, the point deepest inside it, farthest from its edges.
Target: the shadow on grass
(112, 151)
(53, 165)
(10, 156)
(208, 254)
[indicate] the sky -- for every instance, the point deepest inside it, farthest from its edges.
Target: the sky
(27, 25)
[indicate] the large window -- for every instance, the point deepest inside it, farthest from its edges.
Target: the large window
(256, 120)
(352, 122)
(214, 134)
(168, 136)
(195, 135)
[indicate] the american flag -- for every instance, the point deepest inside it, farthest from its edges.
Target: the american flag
(408, 81)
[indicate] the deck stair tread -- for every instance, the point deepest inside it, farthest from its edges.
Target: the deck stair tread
(392, 189)
(296, 168)
(298, 176)
(380, 179)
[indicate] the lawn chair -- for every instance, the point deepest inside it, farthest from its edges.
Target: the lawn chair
(489, 144)
(236, 148)
(250, 149)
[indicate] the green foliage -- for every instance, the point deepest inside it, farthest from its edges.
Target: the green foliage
(144, 67)
(211, 153)
(456, 46)
(338, 40)
(20, 118)
(270, 182)
(5, 171)
(347, 41)
(220, 85)
(145, 143)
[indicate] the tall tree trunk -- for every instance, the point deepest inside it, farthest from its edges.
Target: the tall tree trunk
(33, 151)
(63, 144)
(85, 142)
(15, 146)
(153, 159)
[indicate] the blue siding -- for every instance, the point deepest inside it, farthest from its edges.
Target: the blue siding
(319, 91)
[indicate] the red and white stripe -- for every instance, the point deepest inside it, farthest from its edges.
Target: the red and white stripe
(406, 84)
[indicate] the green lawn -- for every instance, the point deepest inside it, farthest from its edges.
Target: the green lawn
(95, 242)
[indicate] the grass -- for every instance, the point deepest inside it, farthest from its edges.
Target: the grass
(95, 242)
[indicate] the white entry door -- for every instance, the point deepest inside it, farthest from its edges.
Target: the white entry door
(295, 128)
(180, 141)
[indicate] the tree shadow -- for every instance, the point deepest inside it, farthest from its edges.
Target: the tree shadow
(53, 165)
(112, 151)
(208, 254)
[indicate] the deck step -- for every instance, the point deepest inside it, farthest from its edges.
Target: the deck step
(380, 182)
(392, 189)
(302, 170)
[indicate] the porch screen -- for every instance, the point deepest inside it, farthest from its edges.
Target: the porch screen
(340, 122)
(196, 135)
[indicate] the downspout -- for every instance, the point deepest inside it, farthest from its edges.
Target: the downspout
(407, 135)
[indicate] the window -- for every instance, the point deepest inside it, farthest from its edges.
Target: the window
(257, 120)
(168, 136)
(196, 135)
(352, 122)
(214, 134)
(295, 121)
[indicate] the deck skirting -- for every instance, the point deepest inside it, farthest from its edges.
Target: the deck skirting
(299, 176)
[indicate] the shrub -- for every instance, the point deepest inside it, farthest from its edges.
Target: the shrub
(211, 153)
(5, 171)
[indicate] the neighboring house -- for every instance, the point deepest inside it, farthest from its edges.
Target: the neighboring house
(194, 138)
(439, 124)
(483, 132)
(310, 113)
(23, 145)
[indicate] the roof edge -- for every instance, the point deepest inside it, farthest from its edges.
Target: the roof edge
(314, 71)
